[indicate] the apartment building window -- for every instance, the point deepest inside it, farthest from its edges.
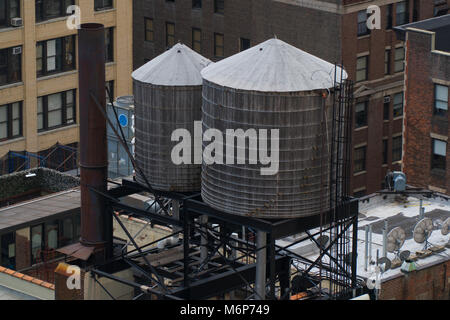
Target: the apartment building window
(389, 13)
(415, 10)
(10, 65)
(219, 6)
(56, 110)
(170, 34)
(196, 4)
(362, 69)
(386, 107)
(8, 250)
(401, 13)
(387, 61)
(244, 44)
(218, 45)
(50, 9)
(359, 162)
(103, 5)
(439, 154)
(399, 59)
(9, 9)
(56, 55)
(385, 151)
(398, 105)
(11, 121)
(440, 100)
(149, 32)
(37, 244)
(197, 40)
(361, 114)
(397, 148)
(109, 42)
(362, 23)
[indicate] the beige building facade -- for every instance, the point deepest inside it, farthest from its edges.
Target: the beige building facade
(39, 68)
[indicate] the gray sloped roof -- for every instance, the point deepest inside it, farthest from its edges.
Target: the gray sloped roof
(179, 66)
(273, 66)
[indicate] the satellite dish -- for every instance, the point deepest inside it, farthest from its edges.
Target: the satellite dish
(395, 239)
(404, 255)
(422, 230)
(384, 263)
(445, 227)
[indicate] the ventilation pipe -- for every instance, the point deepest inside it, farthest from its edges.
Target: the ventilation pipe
(96, 222)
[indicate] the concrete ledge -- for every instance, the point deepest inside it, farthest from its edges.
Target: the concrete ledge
(27, 285)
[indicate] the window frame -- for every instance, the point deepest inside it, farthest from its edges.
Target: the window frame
(147, 30)
(366, 69)
(64, 107)
(436, 101)
(104, 6)
(197, 4)
(64, 67)
(40, 6)
(395, 108)
(7, 69)
(241, 46)
(170, 37)
(403, 14)
(10, 120)
(387, 61)
(109, 47)
(438, 162)
(397, 61)
(7, 21)
(359, 164)
(197, 42)
(385, 151)
(362, 31)
(364, 113)
(389, 16)
(397, 148)
(221, 47)
(219, 7)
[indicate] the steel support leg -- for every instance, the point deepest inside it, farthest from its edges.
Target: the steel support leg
(261, 261)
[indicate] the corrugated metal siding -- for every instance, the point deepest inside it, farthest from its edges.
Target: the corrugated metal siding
(159, 111)
(296, 190)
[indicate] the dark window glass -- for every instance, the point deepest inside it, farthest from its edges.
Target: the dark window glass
(170, 34)
(10, 65)
(149, 32)
(50, 9)
(11, 124)
(109, 42)
(362, 23)
(397, 149)
(8, 250)
(439, 154)
(402, 13)
(440, 100)
(110, 86)
(67, 232)
(389, 12)
(55, 56)
(103, 4)
(415, 11)
(359, 160)
(197, 4)
(218, 45)
(244, 44)
(56, 110)
(197, 40)
(359, 194)
(362, 69)
(361, 114)
(385, 151)
(398, 104)
(219, 6)
(9, 9)
(386, 107)
(387, 62)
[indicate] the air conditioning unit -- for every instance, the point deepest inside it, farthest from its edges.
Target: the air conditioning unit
(16, 22)
(17, 50)
(387, 99)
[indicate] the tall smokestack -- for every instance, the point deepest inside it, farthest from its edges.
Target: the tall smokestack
(96, 222)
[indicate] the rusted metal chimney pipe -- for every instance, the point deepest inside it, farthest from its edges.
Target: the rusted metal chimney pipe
(96, 222)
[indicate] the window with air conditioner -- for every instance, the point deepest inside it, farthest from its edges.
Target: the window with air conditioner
(10, 65)
(9, 12)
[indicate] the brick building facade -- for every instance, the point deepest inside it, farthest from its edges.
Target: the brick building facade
(333, 30)
(427, 83)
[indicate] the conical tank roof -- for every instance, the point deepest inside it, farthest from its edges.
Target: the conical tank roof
(273, 66)
(179, 66)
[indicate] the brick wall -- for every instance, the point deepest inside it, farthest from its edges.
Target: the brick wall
(423, 68)
(432, 283)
